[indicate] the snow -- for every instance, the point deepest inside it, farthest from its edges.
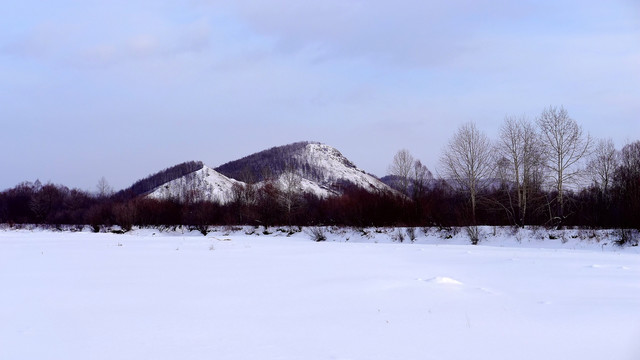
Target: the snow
(208, 184)
(180, 295)
(336, 167)
(444, 280)
(205, 184)
(305, 186)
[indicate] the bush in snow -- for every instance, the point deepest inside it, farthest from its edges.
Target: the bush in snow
(203, 229)
(411, 233)
(398, 235)
(626, 237)
(473, 232)
(426, 230)
(317, 233)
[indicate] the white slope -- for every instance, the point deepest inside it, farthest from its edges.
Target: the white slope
(205, 184)
(336, 168)
(158, 295)
(327, 162)
(301, 186)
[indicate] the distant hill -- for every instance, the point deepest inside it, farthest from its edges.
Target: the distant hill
(317, 168)
(316, 163)
(151, 182)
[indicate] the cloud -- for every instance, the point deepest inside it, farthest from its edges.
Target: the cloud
(97, 42)
(405, 32)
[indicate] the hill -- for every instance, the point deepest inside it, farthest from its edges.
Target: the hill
(320, 166)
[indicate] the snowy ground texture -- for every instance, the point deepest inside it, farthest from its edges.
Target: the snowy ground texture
(173, 295)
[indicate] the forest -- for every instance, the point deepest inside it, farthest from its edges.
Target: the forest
(542, 173)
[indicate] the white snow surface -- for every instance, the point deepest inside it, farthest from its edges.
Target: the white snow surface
(305, 186)
(336, 167)
(240, 294)
(205, 184)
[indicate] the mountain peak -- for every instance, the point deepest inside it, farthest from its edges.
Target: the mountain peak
(313, 161)
(320, 169)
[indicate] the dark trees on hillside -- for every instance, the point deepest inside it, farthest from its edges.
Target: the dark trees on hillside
(264, 165)
(272, 163)
(151, 182)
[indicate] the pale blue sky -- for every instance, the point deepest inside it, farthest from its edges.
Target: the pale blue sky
(123, 89)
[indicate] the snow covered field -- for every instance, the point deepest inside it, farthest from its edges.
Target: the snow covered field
(153, 295)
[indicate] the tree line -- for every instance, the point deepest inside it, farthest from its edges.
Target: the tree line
(545, 172)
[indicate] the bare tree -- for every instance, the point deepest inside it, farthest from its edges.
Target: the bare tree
(245, 194)
(401, 168)
(626, 182)
(467, 161)
(564, 145)
(602, 164)
(103, 189)
(291, 188)
(125, 215)
(518, 156)
(629, 163)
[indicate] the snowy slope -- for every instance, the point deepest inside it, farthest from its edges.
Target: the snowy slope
(322, 169)
(335, 168)
(159, 295)
(304, 186)
(205, 184)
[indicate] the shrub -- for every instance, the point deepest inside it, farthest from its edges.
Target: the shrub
(317, 234)
(398, 236)
(473, 232)
(411, 233)
(203, 229)
(626, 237)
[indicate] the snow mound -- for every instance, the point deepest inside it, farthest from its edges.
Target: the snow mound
(443, 280)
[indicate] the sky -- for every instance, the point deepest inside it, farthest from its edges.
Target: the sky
(123, 89)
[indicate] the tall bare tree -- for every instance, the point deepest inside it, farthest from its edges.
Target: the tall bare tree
(564, 146)
(290, 189)
(602, 164)
(467, 161)
(401, 168)
(103, 189)
(518, 156)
